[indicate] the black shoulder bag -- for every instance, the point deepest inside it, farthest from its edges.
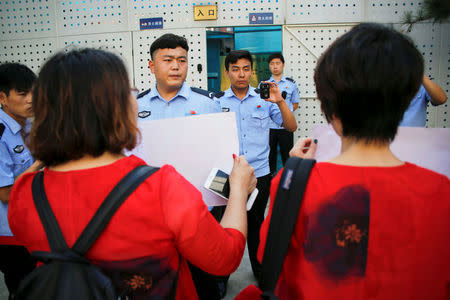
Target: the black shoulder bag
(66, 273)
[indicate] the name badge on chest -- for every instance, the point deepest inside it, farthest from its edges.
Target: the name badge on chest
(19, 148)
(144, 114)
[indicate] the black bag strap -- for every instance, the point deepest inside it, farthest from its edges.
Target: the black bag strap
(284, 218)
(110, 205)
(98, 222)
(55, 237)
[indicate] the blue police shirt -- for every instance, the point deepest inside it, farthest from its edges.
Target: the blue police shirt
(289, 86)
(416, 113)
(253, 116)
(188, 101)
(15, 158)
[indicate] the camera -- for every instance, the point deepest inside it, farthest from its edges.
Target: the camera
(264, 90)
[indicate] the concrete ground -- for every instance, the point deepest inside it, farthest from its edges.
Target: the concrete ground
(241, 278)
(3, 290)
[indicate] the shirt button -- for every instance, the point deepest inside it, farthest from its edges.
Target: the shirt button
(245, 151)
(245, 135)
(243, 119)
(23, 160)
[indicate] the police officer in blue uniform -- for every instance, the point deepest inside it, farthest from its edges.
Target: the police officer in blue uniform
(278, 135)
(16, 81)
(172, 98)
(416, 113)
(253, 117)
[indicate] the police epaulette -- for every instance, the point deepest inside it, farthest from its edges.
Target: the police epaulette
(290, 79)
(203, 92)
(2, 129)
(257, 91)
(143, 93)
(219, 94)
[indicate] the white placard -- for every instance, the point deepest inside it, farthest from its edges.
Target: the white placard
(193, 145)
(425, 147)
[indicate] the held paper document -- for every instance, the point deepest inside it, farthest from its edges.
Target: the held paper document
(193, 145)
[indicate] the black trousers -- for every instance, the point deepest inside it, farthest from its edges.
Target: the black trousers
(15, 263)
(214, 287)
(255, 217)
(283, 138)
(206, 285)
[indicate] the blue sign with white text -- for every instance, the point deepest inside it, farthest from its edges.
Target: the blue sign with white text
(151, 23)
(260, 18)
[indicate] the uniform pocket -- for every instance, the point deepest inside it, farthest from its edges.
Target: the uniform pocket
(21, 159)
(260, 119)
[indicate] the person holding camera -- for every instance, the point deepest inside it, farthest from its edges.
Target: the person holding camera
(278, 135)
(253, 116)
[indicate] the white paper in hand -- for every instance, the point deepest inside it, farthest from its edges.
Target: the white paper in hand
(193, 145)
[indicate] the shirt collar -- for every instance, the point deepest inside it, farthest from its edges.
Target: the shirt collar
(250, 92)
(283, 78)
(229, 92)
(10, 122)
(183, 92)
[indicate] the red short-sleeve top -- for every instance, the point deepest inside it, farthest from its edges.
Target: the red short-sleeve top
(164, 217)
(368, 233)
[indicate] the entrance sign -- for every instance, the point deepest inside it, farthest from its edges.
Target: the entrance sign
(205, 12)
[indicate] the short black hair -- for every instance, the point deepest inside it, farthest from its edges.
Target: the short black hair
(367, 79)
(235, 55)
(169, 40)
(275, 55)
(15, 76)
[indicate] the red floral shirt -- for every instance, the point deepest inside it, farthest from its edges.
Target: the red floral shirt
(368, 233)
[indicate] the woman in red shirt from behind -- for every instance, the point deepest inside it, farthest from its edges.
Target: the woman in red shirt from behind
(85, 117)
(371, 226)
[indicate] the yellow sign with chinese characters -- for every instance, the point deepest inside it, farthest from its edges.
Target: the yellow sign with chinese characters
(205, 12)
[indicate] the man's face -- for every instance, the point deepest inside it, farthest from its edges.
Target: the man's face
(170, 67)
(276, 66)
(239, 73)
(17, 105)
